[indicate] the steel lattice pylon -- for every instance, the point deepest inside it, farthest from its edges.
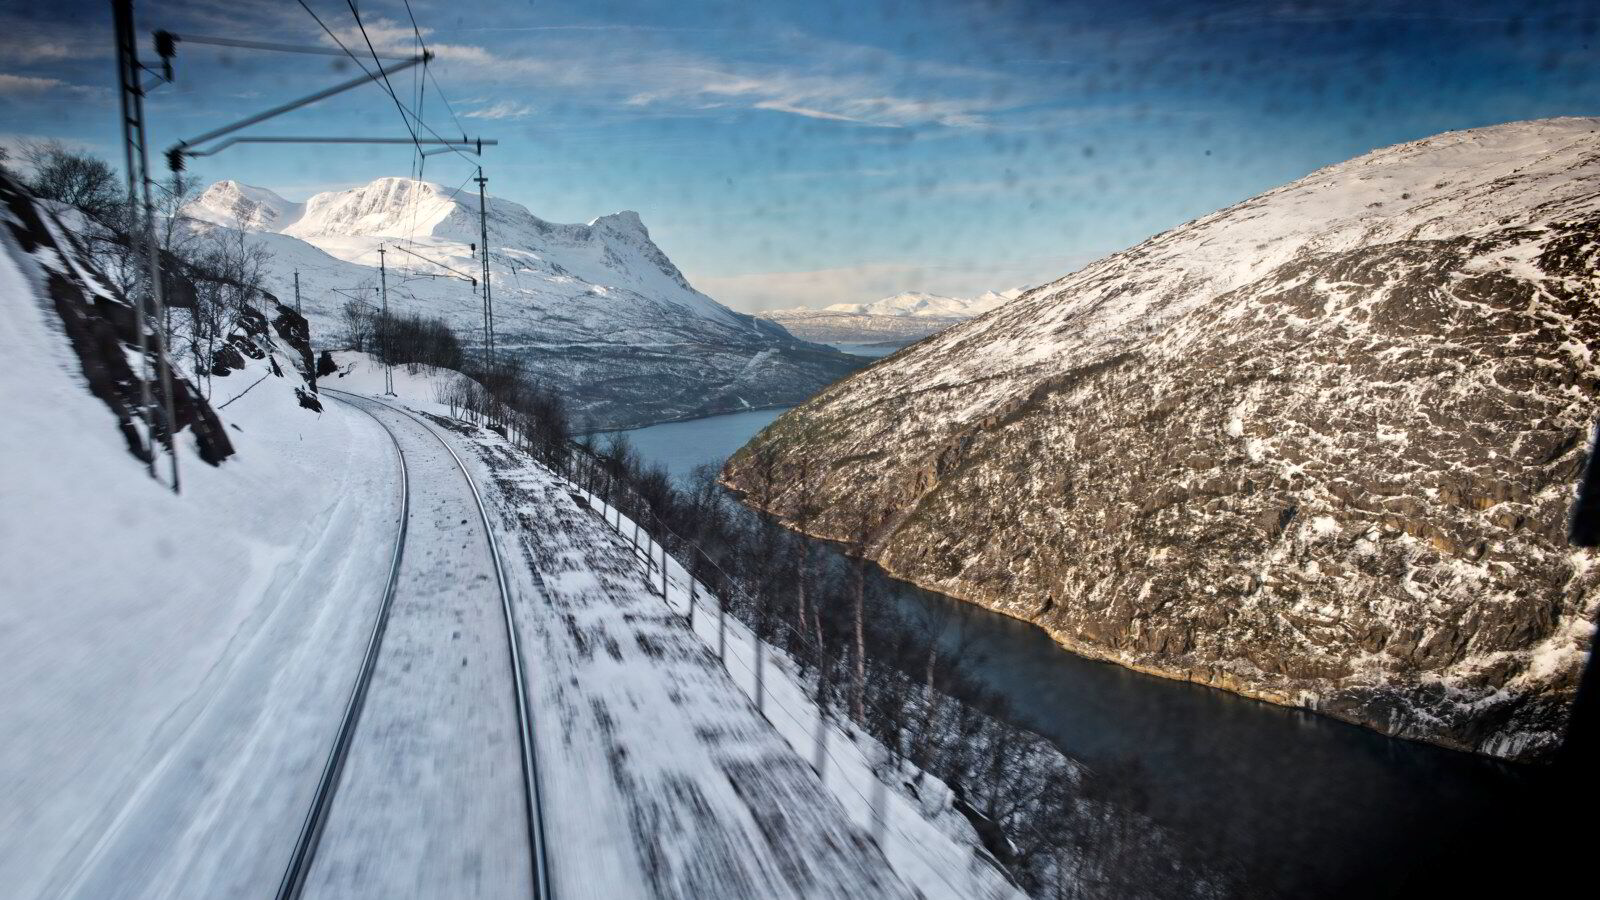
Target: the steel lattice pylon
(149, 304)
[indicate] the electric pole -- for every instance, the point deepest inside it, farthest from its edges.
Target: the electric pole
(384, 331)
(488, 298)
(151, 313)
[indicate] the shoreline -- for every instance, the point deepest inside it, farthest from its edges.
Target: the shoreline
(1239, 688)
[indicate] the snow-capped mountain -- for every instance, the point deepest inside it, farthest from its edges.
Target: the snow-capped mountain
(597, 309)
(1317, 447)
(921, 303)
(242, 206)
(903, 317)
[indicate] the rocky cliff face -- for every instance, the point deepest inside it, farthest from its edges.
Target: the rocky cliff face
(102, 329)
(1317, 448)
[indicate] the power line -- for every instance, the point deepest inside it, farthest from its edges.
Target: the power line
(363, 68)
(392, 95)
(262, 45)
(440, 91)
(437, 263)
(414, 29)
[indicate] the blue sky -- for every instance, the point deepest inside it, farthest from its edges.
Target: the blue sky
(812, 151)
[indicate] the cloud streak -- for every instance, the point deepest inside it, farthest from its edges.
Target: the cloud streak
(502, 109)
(839, 83)
(28, 84)
(36, 86)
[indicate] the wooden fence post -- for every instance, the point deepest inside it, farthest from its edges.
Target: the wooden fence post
(761, 669)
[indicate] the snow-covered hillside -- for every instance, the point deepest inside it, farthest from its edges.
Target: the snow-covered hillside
(598, 309)
(174, 667)
(904, 317)
(1317, 447)
(242, 206)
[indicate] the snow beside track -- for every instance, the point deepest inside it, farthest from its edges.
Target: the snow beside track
(177, 666)
(659, 769)
(172, 668)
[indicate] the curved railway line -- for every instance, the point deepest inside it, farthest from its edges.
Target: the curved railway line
(311, 831)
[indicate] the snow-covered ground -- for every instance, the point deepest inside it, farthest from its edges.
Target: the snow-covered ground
(173, 670)
(922, 834)
(596, 309)
(171, 667)
(430, 803)
(652, 777)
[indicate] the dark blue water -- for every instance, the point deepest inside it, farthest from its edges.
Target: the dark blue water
(1302, 805)
(681, 446)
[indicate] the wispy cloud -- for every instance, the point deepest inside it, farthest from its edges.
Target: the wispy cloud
(30, 39)
(33, 85)
(829, 82)
(27, 84)
(502, 109)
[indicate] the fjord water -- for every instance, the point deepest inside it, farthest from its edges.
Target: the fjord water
(1299, 805)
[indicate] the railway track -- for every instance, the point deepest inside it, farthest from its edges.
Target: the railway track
(296, 874)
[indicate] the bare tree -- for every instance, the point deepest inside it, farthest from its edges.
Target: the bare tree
(228, 269)
(802, 510)
(862, 527)
(356, 318)
(77, 179)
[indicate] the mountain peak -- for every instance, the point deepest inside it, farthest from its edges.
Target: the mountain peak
(626, 222)
(391, 206)
(239, 205)
(925, 304)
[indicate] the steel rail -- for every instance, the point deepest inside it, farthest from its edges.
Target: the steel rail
(530, 769)
(305, 848)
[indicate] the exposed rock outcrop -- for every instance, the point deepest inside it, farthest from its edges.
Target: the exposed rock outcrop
(1317, 447)
(103, 329)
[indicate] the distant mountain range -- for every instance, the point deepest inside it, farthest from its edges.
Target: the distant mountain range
(1318, 447)
(902, 318)
(597, 310)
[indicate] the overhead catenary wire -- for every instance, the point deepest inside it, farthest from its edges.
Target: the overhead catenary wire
(407, 116)
(386, 82)
(437, 263)
(445, 100)
(361, 65)
(265, 45)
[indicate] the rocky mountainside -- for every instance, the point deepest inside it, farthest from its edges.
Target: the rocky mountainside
(1317, 447)
(598, 309)
(903, 318)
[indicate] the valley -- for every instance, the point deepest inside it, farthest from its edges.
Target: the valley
(795, 451)
(1316, 448)
(596, 310)
(1301, 804)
